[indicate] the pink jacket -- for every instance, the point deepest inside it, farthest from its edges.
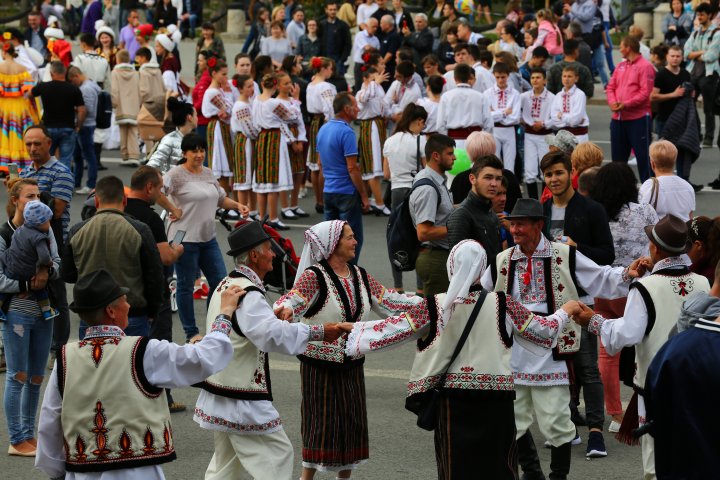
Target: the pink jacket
(631, 84)
(550, 38)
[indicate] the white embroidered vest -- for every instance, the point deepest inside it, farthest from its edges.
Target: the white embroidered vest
(332, 310)
(663, 295)
(558, 280)
(112, 418)
(247, 376)
(483, 362)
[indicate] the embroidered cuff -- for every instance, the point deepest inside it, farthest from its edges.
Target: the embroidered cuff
(317, 333)
(221, 324)
(625, 276)
(595, 324)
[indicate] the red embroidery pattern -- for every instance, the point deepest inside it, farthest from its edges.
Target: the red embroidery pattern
(535, 109)
(465, 381)
(241, 427)
(683, 286)
(100, 432)
(502, 99)
(167, 437)
(125, 444)
(80, 447)
(566, 102)
(149, 440)
(552, 377)
(97, 343)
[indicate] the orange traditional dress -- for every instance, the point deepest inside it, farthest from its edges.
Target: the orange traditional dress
(16, 114)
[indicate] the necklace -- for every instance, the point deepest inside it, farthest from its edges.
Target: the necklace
(347, 272)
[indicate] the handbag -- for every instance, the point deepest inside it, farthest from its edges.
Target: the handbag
(428, 405)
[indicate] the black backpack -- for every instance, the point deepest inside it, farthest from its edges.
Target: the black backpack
(402, 240)
(103, 117)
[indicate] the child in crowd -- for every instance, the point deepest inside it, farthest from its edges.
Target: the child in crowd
(535, 115)
(434, 88)
(402, 91)
(666, 192)
(567, 111)
(505, 110)
(126, 101)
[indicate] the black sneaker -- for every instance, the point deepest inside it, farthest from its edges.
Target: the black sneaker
(715, 184)
(319, 208)
(697, 188)
(596, 446)
(707, 143)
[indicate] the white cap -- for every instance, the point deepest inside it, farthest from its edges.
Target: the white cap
(165, 42)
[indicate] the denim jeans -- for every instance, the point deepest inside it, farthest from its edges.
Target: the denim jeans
(341, 206)
(64, 139)
(85, 152)
(137, 327)
(27, 341)
(627, 135)
(598, 63)
(207, 257)
(587, 377)
(188, 26)
(609, 51)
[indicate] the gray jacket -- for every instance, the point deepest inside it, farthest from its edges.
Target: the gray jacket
(700, 306)
(168, 152)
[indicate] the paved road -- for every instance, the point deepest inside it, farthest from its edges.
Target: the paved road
(399, 450)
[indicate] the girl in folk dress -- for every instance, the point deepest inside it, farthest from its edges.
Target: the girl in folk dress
(16, 112)
(217, 106)
(434, 88)
(373, 131)
(246, 134)
(320, 95)
(273, 173)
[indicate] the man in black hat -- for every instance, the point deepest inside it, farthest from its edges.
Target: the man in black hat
(652, 309)
(236, 403)
(544, 275)
(105, 407)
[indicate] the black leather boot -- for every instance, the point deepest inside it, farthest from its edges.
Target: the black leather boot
(528, 458)
(532, 189)
(560, 462)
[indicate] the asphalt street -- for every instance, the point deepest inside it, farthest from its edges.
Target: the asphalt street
(398, 449)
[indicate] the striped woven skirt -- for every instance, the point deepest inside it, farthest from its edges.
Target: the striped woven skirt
(297, 160)
(272, 168)
(317, 121)
(242, 170)
(220, 148)
(372, 137)
(334, 417)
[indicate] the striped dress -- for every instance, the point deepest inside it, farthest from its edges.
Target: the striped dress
(246, 134)
(373, 130)
(273, 170)
(219, 135)
(319, 105)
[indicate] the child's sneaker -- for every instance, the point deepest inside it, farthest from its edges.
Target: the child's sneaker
(50, 314)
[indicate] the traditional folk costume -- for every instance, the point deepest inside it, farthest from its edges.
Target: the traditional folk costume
(236, 403)
(567, 112)
(246, 133)
(535, 108)
(652, 309)
(320, 98)
(505, 124)
(373, 130)
(475, 433)
(273, 170)
(431, 107)
(219, 134)
(483, 79)
(105, 413)
(295, 132)
(334, 415)
(16, 114)
(462, 111)
(553, 275)
(399, 96)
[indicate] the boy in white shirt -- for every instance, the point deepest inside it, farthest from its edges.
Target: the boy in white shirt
(431, 102)
(567, 111)
(535, 115)
(402, 91)
(470, 55)
(505, 110)
(666, 192)
(463, 110)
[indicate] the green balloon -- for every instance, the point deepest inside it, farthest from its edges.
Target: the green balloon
(462, 161)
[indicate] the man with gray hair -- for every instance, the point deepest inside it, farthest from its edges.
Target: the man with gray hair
(365, 42)
(421, 41)
(236, 403)
(390, 41)
(574, 31)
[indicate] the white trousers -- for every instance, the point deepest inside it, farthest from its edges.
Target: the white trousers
(647, 442)
(263, 457)
(535, 150)
(551, 407)
(505, 145)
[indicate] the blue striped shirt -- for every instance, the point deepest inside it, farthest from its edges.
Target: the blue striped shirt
(55, 178)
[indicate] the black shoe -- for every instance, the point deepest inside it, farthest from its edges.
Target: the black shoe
(298, 211)
(697, 188)
(288, 214)
(528, 458)
(101, 167)
(277, 225)
(577, 418)
(596, 446)
(707, 143)
(715, 184)
(319, 208)
(560, 462)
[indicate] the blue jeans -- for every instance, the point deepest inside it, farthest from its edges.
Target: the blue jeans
(138, 326)
(64, 139)
(188, 26)
(609, 51)
(27, 347)
(627, 135)
(598, 63)
(341, 206)
(207, 257)
(202, 131)
(85, 153)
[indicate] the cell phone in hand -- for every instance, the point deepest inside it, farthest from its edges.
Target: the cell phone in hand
(179, 236)
(13, 170)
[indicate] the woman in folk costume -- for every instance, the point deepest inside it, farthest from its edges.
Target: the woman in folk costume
(320, 96)
(475, 429)
(58, 48)
(217, 106)
(169, 64)
(273, 171)
(16, 111)
(246, 133)
(373, 131)
(334, 416)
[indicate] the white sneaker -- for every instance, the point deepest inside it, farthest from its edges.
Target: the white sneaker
(614, 427)
(575, 441)
(84, 190)
(633, 161)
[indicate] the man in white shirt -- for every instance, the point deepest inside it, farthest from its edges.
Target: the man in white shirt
(236, 403)
(666, 192)
(95, 67)
(470, 55)
(402, 91)
(505, 110)
(535, 106)
(365, 41)
(465, 33)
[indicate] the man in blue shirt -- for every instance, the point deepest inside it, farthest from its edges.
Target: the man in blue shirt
(344, 193)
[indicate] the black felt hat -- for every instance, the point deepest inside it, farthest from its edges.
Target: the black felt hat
(670, 234)
(95, 290)
(527, 208)
(246, 237)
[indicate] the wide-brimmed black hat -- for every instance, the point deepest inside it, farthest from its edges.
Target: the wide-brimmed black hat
(95, 290)
(527, 208)
(246, 237)
(670, 234)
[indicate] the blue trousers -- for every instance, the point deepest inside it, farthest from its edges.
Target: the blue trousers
(341, 206)
(627, 135)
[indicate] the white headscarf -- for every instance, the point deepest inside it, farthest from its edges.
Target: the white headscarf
(320, 243)
(165, 41)
(465, 265)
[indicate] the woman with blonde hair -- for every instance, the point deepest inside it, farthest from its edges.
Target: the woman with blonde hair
(549, 34)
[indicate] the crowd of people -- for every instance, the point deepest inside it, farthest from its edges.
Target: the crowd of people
(528, 253)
